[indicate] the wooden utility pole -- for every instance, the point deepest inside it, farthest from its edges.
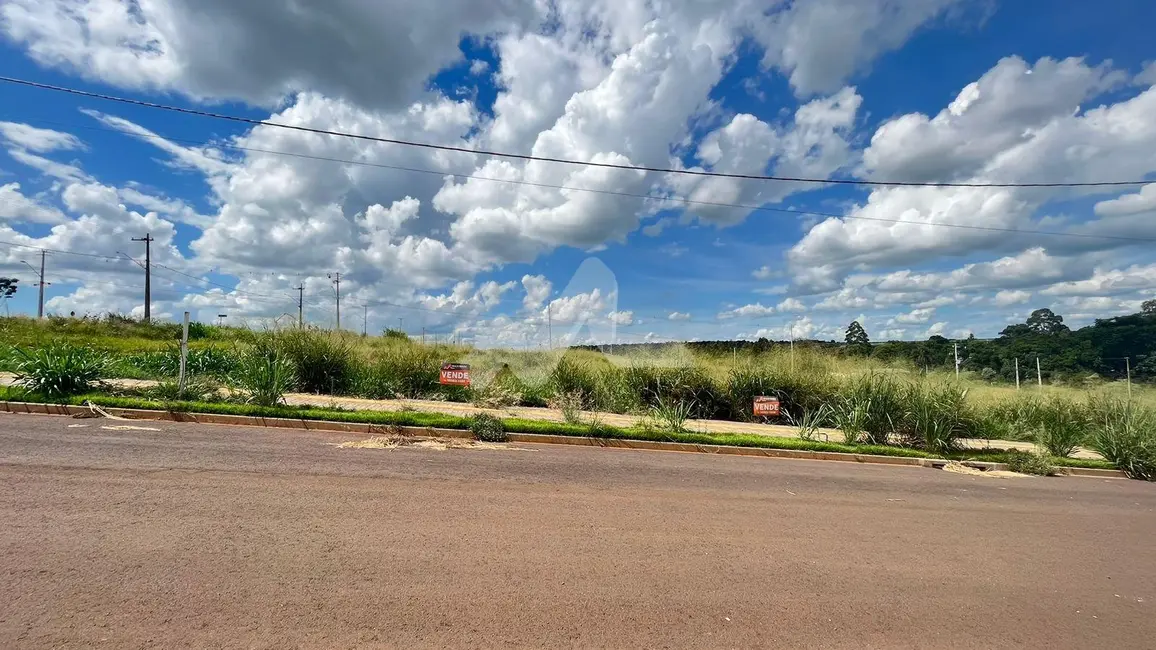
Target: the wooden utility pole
(148, 240)
(1039, 374)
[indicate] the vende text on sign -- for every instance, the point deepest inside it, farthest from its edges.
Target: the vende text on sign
(455, 374)
(766, 406)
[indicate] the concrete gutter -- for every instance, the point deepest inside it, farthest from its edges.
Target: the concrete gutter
(534, 438)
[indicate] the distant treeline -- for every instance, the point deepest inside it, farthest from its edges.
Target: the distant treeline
(1100, 348)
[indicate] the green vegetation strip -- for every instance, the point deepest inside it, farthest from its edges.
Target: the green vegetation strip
(516, 425)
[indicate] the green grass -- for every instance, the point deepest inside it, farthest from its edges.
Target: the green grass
(516, 425)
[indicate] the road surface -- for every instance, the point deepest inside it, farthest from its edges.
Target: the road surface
(168, 535)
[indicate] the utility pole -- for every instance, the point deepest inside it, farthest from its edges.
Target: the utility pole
(300, 305)
(1128, 365)
(148, 240)
(42, 284)
(957, 360)
(1017, 373)
(40, 304)
(1039, 374)
(400, 323)
(423, 334)
(365, 320)
(336, 277)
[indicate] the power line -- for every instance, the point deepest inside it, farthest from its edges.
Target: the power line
(649, 197)
(528, 157)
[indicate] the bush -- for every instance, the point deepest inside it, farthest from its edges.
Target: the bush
(879, 400)
(935, 418)
(1061, 427)
(798, 391)
(487, 428)
(672, 413)
(503, 391)
(212, 361)
(1125, 435)
(408, 370)
(573, 376)
(570, 404)
(323, 362)
(265, 373)
(59, 369)
(808, 424)
(197, 389)
(1026, 462)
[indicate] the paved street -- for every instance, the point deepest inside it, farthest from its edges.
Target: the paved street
(157, 534)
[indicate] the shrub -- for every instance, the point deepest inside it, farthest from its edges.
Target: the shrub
(487, 428)
(880, 401)
(323, 362)
(672, 413)
(503, 391)
(197, 389)
(1125, 435)
(403, 369)
(935, 418)
(59, 369)
(1026, 462)
(212, 361)
(397, 335)
(265, 373)
(809, 422)
(798, 390)
(570, 404)
(572, 376)
(850, 416)
(1061, 428)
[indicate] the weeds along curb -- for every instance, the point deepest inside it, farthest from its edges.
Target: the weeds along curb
(535, 438)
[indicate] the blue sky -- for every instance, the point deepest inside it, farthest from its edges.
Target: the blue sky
(895, 90)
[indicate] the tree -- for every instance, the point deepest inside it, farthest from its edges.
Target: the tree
(857, 337)
(1045, 321)
(8, 287)
(1148, 307)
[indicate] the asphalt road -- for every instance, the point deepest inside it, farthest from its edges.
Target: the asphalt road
(209, 536)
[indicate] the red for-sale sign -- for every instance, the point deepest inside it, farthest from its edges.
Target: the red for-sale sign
(455, 374)
(766, 407)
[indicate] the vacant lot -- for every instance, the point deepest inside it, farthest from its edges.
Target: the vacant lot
(215, 536)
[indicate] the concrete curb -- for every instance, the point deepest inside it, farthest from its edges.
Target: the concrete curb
(534, 438)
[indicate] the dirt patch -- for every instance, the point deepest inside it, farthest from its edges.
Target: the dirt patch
(960, 468)
(440, 444)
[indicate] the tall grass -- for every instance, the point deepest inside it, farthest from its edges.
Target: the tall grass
(935, 417)
(1062, 426)
(265, 373)
(323, 362)
(1125, 435)
(59, 369)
